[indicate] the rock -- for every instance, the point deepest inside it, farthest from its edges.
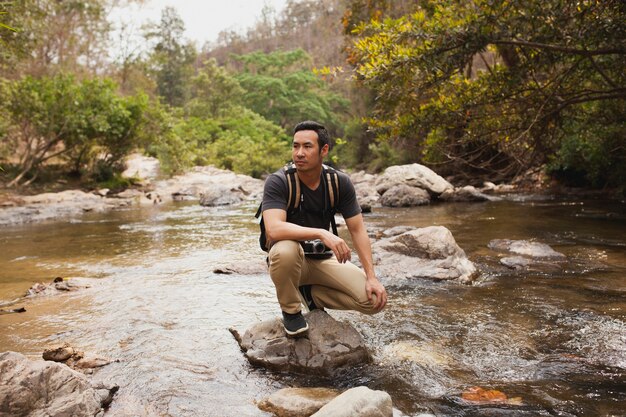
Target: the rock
(358, 402)
(219, 195)
(516, 262)
(478, 395)
(397, 230)
(54, 205)
(429, 252)
(297, 402)
(56, 286)
(424, 354)
(60, 353)
(44, 388)
(141, 167)
(12, 310)
(202, 180)
(467, 193)
(403, 195)
(329, 345)
(365, 188)
(525, 247)
(414, 175)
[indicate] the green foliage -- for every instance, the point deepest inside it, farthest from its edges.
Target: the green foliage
(281, 87)
(241, 141)
(213, 92)
(79, 122)
(593, 150)
(489, 86)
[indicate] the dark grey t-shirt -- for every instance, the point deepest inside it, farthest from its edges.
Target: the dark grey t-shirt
(313, 202)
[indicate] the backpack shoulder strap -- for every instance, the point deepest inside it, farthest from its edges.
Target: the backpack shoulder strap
(332, 185)
(293, 185)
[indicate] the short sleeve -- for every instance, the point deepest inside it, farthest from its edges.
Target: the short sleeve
(275, 193)
(348, 204)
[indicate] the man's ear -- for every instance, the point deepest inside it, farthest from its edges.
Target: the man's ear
(324, 150)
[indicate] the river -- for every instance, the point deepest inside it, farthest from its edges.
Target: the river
(555, 336)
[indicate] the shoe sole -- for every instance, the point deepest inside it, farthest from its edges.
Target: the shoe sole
(299, 332)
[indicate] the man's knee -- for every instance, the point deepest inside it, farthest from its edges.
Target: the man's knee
(285, 252)
(368, 307)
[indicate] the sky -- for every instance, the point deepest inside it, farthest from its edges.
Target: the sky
(204, 20)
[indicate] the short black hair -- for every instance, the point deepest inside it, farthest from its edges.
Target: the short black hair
(323, 138)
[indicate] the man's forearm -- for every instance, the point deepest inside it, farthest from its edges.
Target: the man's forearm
(291, 231)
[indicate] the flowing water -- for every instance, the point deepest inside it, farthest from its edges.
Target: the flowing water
(555, 337)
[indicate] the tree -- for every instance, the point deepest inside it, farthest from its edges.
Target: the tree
(487, 87)
(172, 60)
(79, 122)
(281, 87)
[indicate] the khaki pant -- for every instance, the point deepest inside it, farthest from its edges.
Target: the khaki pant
(334, 285)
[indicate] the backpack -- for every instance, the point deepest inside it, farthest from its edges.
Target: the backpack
(329, 175)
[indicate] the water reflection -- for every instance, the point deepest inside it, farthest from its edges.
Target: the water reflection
(556, 338)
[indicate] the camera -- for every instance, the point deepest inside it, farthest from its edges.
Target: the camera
(316, 249)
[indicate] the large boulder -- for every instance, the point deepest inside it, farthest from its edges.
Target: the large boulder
(414, 175)
(330, 344)
(142, 167)
(297, 402)
(202, 181)
(403, 195)
(358, 402)
(429, 252)
(365, 188)
(43, 388)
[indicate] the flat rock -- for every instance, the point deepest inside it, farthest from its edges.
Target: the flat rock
(358, 402)
(525, 247)
(297, 402)
(429, 252)
(329, 345)
(44, 388)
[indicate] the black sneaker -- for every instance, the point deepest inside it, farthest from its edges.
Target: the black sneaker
(307, 298)
(295, 324)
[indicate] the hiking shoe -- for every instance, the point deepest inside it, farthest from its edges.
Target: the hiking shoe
(295, 325)
(307, 298)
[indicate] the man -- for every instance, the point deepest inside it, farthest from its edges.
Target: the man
(334, 282)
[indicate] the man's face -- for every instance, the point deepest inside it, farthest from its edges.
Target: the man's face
(306, 151)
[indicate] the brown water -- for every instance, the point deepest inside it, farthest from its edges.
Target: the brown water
(556, 339)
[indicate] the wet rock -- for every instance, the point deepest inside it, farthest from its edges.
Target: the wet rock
(242, 267)
(297, 402)
(329, 345)
(525, 247)
(73, 357)
(358, 402)
(516, 262)
(467, 193)
(490, 187)
(429, 252)
(56, 286)
(414, 175)
(425, 354)
(403, 195)
(60, 353)
(478, 395)
(12, 310)
(44, 388)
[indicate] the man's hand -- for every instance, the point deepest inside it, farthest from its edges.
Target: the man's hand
(373, 286)
(338, 246)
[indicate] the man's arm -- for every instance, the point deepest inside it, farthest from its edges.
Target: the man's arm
(277, 228)
(361, 241)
